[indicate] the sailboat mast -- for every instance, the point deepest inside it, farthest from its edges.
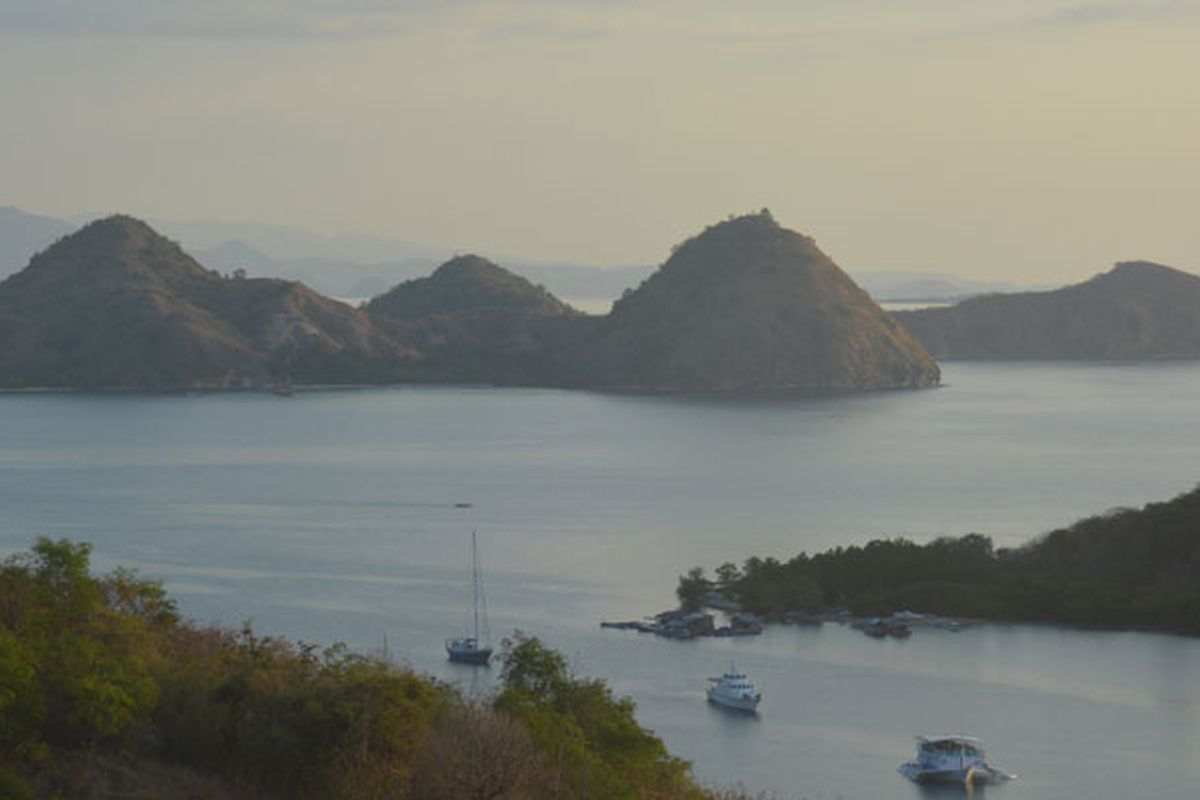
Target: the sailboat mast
(475, 585)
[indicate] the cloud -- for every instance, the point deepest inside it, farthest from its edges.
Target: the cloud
(215, 19)
(540, 31)
(1099, 13)
(230, 19)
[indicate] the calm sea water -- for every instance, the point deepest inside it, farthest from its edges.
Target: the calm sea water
(330, 515)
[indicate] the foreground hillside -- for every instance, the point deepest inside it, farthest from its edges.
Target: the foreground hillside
(117, 305)
(748, 303)
(1125, 569)
(1138, 310)
(106, 693)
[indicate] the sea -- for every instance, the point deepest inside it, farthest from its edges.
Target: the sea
(346, 515)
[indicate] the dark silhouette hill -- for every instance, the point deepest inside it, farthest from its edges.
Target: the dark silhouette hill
(748, 304)
(744, 306)
(117, 305)
(466, 283)
(1127, 568)
(475, 321)
(1137, 310)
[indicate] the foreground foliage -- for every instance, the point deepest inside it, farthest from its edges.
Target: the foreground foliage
(1124, 569)
(105, 692)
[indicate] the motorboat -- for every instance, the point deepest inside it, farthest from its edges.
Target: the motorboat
(953, 759)
(734, 690)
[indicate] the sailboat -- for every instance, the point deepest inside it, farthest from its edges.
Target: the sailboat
(471, 649)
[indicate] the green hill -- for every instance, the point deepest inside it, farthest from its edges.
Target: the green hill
(1128, 568)
(748, 304)
(1138, 310)
(105, 692)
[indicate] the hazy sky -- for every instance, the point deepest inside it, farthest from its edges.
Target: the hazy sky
(1030, 140)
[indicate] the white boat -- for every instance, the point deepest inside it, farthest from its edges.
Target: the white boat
(951, 759)
(734, 690)
(473, 649)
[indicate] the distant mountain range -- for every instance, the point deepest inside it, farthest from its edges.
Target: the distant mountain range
(1138, 310)
(925, 287)
(22, 235)
(359, 267)
(349, 266)
(746, 305)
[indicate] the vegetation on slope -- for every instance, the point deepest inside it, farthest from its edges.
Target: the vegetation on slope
(474, 321)
(117, 305)
(746, 305)
(1137, 310)
(1136, 569)
(465, 283)
(750, 304)
(105, 692)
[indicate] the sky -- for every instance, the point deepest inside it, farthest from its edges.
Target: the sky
(1024, 140)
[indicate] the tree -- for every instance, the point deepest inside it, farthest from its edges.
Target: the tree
(728, 574)
(592, 744)
(478, 753)
(692, 588)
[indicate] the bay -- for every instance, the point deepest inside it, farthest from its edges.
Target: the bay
(331, 516)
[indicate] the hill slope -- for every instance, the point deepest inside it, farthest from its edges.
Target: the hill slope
(1137, 310)
(474, 321)
(744, 306)
(117, 305)
(748, 304)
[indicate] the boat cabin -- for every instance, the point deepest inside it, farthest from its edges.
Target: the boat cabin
(936, 750)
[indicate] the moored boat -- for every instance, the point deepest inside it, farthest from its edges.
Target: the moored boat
(951, 759)
(473, 649)
(734, 690)
(468, 650)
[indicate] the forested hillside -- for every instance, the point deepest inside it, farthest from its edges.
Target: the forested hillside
(105, 692)
(1124, 569)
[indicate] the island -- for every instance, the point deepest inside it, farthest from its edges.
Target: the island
(746, 305)
(1138, 310)
(1133, 569)
(115, 305)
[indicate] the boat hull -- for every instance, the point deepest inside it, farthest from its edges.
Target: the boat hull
(959, 776)
(746, 704)
(461, 653)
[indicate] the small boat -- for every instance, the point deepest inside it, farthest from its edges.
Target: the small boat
(951, 760)
(879, 628)
(471, 649)
(875, 628)
(734, 690)
(468, 651)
